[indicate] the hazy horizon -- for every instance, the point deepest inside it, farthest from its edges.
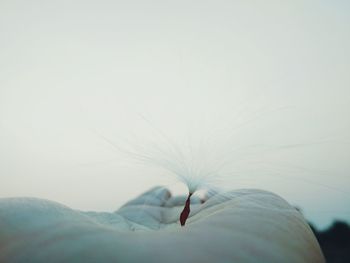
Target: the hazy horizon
(268, 79)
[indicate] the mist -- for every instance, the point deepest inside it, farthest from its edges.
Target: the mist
(265, 85)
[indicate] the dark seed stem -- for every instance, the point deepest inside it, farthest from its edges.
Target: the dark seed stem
(186, 211)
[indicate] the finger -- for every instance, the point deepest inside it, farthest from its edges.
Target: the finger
(146, 211)
(156, 196)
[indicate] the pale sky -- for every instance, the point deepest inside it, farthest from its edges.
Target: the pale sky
(259, 76)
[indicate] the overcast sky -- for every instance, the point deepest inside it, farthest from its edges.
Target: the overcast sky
(265, 83)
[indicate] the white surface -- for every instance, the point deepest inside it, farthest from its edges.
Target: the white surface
(237, 226)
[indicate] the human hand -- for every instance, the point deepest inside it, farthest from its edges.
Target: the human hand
(236, 226)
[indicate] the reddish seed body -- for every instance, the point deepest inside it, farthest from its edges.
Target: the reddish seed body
(186, 211)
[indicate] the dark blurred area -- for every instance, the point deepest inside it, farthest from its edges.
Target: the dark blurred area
(335, 242)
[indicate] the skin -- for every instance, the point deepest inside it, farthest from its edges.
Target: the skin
(237, 226)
